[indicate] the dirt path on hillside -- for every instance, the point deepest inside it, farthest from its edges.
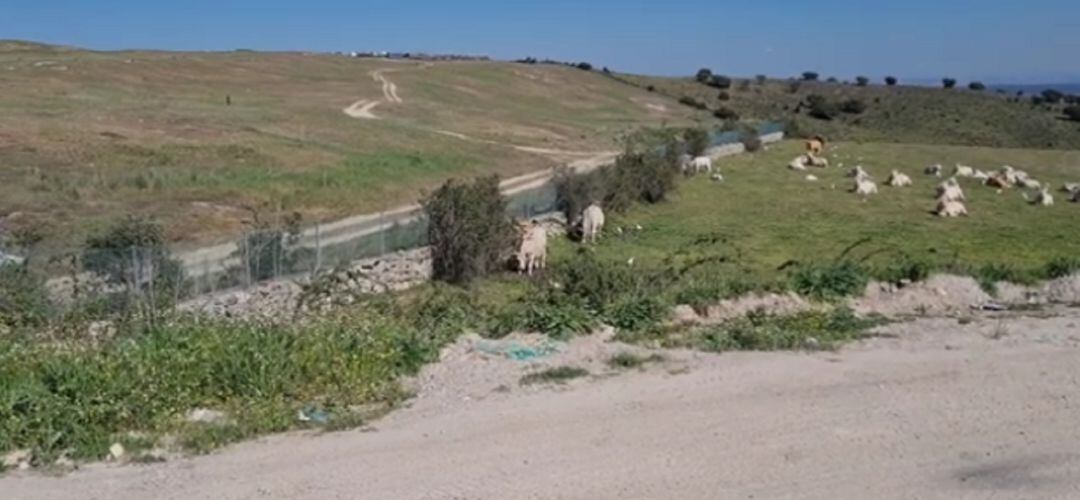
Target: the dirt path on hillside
(932, 409)
(362, 108)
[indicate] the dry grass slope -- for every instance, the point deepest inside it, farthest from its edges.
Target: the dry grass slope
(203, 139)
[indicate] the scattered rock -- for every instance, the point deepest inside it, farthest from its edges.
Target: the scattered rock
(205, 416)
(116, 451)
(684, 315)
(17, 458)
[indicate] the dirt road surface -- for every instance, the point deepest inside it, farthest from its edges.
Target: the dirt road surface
(934, 409)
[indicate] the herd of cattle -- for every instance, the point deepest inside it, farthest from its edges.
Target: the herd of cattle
(950, 198)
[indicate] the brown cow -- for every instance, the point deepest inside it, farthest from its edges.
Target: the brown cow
(815, 145)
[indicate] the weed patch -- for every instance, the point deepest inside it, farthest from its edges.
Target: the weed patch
(558, 375)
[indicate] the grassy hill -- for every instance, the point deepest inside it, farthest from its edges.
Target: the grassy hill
(904, 114)
(204, 140)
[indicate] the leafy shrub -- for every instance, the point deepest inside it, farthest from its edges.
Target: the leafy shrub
(862, 81)
(720, 82)
(977, 86)
(810, 76)
(628, 360)
(693, 103)
(639, 177)
(905, 269)
(24, 300)
(948, 82)
(832, 79)
(821, 108)
(469, 231)
(830, 281)
(759, 331)
(703, 75)
(750, 139)
(697, 141)
(132, 254)
(1062, 267)
(575, 192)
(559, 316)
(761, 79)
(890, 80)
(1052, 96)
(637, 313)
(989, 275)
(852, 106)
(724, 96)
(726, 114)
(584, 66)
(1072, 113)
(651, 88)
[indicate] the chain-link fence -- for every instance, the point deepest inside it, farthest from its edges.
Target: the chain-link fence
(269, 254)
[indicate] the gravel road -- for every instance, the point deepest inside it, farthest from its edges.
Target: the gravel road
(931, 409)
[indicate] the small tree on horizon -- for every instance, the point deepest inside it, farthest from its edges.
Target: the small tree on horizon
(810, 76)
(948, 82)
(977, 86)
(703, 75)
(890, 80)
(862, 81)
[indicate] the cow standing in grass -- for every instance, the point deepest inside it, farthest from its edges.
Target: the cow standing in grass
(592, 223)
(532, 254)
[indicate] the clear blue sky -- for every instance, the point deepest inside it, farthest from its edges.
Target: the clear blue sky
(992, 40)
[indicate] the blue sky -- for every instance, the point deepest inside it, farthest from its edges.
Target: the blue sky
(991, 40)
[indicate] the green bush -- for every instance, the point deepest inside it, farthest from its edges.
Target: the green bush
(726, 114)
(56, 398)
(905, 269)
(989, 275)
(977, 86)
(810, 76)
(693, 103)
(852, 106)
(948, 83)
(132, 253)
(24, 301)
(574, 192)
(703, 75)
(697, 141)
(758, 331)
(862, 81)
(724, 96)
(1062, 267)
(720, 82)
(830, 281)
(637, 313)
(821, 108)
(750, 139)
(890, 81)
(1072, 113)
(468, 229)
(761, 79)
(559, 316)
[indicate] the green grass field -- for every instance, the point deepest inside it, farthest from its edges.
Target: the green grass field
(766, 215)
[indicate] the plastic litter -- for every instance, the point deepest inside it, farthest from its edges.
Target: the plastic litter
(313, 415)
(516, 350)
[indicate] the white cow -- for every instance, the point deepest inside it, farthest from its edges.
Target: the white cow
(799, 163)
(532, 254)
(934, 170)
(701, 163)
(865, 187)
(981, 175)
(858, 173)
(963, 171)
(898, 179)
(950, 191)
(817, 161)
(1043, 197)
(592, 223)
(950, 208)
